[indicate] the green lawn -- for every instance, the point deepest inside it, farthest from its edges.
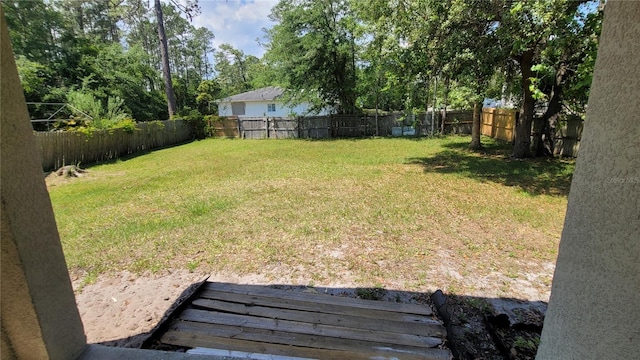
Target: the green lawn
(376, 212)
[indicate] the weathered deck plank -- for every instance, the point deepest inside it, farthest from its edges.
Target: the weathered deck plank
(424, 327)
(265, 320)
(262, 346)
(218, 318)
(198, 333)
(320, 298)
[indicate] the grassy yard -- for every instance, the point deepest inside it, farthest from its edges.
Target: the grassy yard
(394, 213)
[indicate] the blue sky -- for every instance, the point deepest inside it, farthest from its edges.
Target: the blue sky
(237, 22)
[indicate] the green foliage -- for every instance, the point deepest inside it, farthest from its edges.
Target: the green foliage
(312, 47)
(108, 49)
(115, 109)
(461, 96)
(197, 122)
(128, 125)
(93, 114)
(207, 92)
(34, 78)
(85, 105)
(235, 70)
(375, 293)
(348, 54)
(530, 344)
(32, 24)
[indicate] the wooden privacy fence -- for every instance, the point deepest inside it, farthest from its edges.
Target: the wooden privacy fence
(568, 136)
(500, 124)
(61, 148)
(335, 126)
(224, 127)
(457, 121)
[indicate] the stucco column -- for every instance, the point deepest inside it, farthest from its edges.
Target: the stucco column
(594, 310)
(40, 319)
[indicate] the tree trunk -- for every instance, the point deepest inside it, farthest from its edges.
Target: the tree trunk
(523, 124)
(377, 100)
(544, 128)
(80, 18)
(444, 110)
(164, 54)
(433, 107)
(475, 129)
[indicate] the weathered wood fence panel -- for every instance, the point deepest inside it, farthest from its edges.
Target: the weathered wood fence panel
(224, 127)
(315, 127)
(386, 123)
(61, 148)
(568, 136)
(335, 126)
(458, 122)
(282, 128)
(348, 126)
(253, 128)
(500, 124)
(267, 128)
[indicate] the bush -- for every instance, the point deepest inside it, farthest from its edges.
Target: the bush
(128, 125)
(196, 120)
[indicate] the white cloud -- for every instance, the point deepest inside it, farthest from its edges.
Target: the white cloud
(237, 22)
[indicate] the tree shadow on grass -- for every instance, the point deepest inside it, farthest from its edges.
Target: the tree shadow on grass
(537, 176)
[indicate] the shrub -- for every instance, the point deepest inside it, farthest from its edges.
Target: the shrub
(128, 125)
(89, 109)
(197, 122)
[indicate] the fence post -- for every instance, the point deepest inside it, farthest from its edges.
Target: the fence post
(493, 122)
(331, 126)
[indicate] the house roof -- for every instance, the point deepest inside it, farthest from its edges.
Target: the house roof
(267, 93)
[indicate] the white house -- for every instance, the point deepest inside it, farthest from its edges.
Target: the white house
(262, 102)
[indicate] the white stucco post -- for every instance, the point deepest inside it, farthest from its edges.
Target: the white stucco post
(39, 315)
(594, 310)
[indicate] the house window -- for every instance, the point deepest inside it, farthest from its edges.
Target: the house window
(271, 107)
(237, 108)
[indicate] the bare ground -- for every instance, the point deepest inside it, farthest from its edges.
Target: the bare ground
(121, 310)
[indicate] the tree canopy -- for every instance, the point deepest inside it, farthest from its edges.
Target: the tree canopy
(312, 47)
(350, 55)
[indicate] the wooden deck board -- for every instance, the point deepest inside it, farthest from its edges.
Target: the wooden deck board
(213, 317)
(430, 326)
(341, 307)
(187, 331)
(260, 319)
(320, 298)
(260, 347)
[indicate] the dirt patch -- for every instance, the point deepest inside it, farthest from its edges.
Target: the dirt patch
(120, 310)
(64, 175)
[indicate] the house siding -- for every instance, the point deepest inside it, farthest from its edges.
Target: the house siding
(259, 108)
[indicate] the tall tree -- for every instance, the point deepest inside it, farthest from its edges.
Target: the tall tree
(456, 40)
(313, 47)
(526, 29)
(234, 69)
(564, 72)
(164, 54)
(37, 43)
